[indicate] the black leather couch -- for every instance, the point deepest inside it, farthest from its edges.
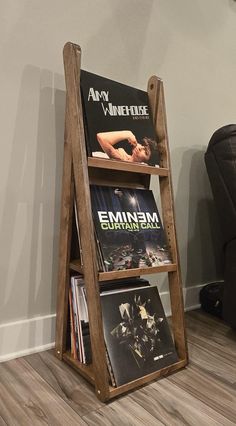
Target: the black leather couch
(220, 159)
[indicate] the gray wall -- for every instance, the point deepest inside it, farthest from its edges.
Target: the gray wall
(190, 44)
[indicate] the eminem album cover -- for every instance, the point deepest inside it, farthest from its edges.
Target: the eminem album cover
(118, 122)
(128, 227)
(136, 333)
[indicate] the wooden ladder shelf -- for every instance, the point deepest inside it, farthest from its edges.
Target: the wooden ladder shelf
(78, 172)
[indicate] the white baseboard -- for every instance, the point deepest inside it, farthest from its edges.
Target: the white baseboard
(27, 336)
(33, 335)
(190, 296)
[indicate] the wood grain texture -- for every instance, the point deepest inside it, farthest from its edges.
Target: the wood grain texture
(175, 410)
(70, 386)
(210, 359)
(157, 103)
(210, 329)
(212, 346)
(147, 379)
(208, 389)
(123, 412)
(114, 275)
(75, 265)
(72, 59)
(26, 399)
(41, 390)
(65, 244)
(129, 167)
(212, 371)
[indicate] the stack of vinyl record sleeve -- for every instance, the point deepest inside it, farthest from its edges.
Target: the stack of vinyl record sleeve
(136, 331)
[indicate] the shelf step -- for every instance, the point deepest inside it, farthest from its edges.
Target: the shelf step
(125, 273)
(102, 163)
(75, 265)
(87, 372)
(115, 391)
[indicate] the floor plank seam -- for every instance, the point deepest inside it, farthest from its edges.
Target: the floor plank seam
(54, 391)
(200, 367)
(1, 418)
(69, 401)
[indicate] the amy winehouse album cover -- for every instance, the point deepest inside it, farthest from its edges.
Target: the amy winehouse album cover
(137, 334)
(128, 227)
(118, 122)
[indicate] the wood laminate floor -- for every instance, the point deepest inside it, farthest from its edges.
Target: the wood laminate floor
(40, 390)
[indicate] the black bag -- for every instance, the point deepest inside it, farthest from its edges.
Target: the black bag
(211, 296)
(220, 161)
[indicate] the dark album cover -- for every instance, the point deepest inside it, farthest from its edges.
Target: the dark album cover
(129, 228)
(118, 122)
(137, 334)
